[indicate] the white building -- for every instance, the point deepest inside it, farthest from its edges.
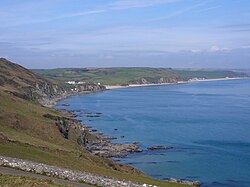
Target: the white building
(71, 82)
(74, 82)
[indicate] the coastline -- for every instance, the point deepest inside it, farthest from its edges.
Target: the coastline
(100, 144)
(104, 147)
(111, 87)
(51, 102)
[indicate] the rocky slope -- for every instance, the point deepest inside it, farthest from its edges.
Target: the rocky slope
(92, 140)
(23, 83)
(158, 80)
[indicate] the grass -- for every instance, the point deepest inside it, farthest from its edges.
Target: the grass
(25, 133)
(209, 74)
(73, 161)
(34, 137)
(14, 181)
(110, 76)
(117, 76)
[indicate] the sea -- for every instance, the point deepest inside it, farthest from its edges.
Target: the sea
(206, 123)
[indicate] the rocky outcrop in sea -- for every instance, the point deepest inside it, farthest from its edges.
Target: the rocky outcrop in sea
(107, 149)
(187, 182)
(94, 141)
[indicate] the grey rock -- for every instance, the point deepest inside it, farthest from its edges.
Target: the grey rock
(187, 182)
(63, 173)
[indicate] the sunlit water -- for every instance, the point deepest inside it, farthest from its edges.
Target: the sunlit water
(207, 123)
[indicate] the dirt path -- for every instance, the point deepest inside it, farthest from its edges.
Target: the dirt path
(9, 171)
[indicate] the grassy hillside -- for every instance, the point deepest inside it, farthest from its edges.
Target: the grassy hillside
(14, 181)
(26, 133)
(114, 76)
(108, 75)
(208, 74)
(25, 84)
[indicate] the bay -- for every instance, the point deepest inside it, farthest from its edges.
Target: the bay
(207, 123)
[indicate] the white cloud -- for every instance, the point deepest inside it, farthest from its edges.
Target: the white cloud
(12, 20)
(124, 4)
(179, 12)
(245, 47)
(195, 50)
(216, 48)
(209, 9)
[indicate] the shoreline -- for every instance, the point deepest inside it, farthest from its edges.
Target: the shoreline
(111, 87)
(119, 150)
(104, 146)
(51, 102)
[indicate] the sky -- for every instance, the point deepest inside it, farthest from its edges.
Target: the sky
(119, 33)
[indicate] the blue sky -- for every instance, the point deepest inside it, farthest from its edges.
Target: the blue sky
(156, 33)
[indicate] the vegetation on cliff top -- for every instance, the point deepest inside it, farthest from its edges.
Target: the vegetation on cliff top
(119, 76)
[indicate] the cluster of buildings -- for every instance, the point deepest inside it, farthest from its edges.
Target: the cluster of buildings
(79, 82)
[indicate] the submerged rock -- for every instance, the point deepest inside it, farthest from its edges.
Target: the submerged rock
(65, 104)
(87, 113)
(160, 147)
(187, 182)
(93, 116)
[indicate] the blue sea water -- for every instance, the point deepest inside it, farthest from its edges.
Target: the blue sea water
(207, 123)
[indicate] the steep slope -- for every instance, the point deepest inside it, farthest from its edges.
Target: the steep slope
(23, 121)
(33, 132)
(14, 180)
(25, 133)
(23, 83)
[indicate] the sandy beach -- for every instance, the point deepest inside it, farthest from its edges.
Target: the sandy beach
(180, 82)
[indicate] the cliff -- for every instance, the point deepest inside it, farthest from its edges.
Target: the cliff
(25, 84)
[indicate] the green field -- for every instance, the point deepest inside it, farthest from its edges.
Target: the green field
(119, 76)
(208, 74)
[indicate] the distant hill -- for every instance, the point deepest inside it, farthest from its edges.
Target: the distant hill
(133, 75)
(209, 73)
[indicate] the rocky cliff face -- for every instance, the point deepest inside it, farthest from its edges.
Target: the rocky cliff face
(23, 83)
(158, 80)
(49, 94)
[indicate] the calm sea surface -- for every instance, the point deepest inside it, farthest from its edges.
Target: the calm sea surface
(207, 123)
